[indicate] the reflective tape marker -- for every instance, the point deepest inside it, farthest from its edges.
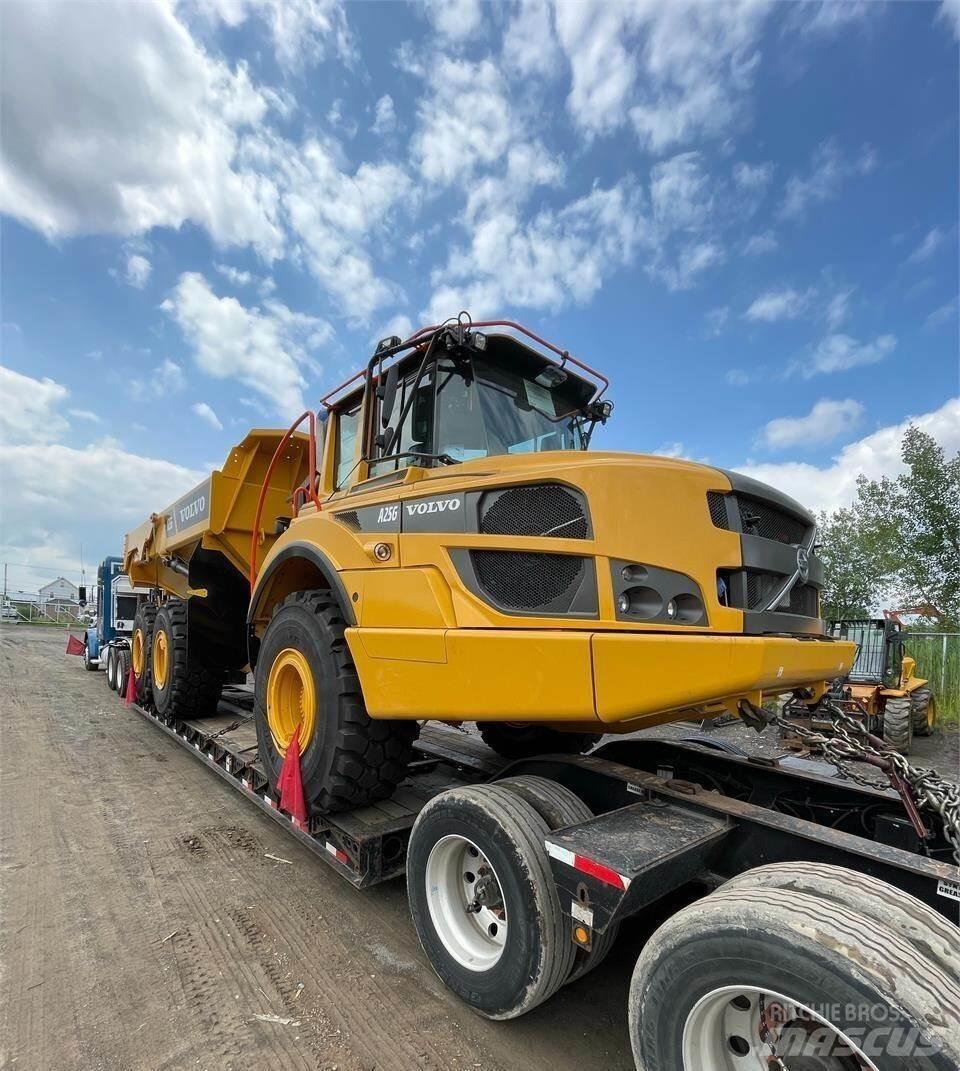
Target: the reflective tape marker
(587, 866)
(340, 856)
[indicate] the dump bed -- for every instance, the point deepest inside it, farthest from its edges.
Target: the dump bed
(217, 516)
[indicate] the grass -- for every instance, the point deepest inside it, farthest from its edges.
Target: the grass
(938, 659)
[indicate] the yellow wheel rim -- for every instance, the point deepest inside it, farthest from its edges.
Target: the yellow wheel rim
(931, 713)
(137, 652)
(291, 700)
(161, 658)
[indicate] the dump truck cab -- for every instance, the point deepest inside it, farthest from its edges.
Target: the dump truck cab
(493, 568)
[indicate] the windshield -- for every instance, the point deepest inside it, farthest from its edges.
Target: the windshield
(483, 409)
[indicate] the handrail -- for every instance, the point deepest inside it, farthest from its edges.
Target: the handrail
(310, 491)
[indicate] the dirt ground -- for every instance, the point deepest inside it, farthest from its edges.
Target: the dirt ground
(150, 916)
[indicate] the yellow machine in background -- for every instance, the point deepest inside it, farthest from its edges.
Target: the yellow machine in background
(455, 552)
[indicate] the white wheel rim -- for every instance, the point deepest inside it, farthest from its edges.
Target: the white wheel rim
(466, 905)
(745, 1028)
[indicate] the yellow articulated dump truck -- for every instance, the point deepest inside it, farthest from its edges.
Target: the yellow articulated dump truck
(448, 550)
(451, 550)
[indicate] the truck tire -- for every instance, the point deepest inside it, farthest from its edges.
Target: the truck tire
(898, 723)
(88, 664)
(122, 671)
(884, 904)
(181, 685)
(559, 807)
(483, 900)
(524, 741)
(111, 669)
(141, 646)
(305, 676)
(749, 974)
(923, 711)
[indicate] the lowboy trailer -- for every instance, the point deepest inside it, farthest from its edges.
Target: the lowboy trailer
(821, 906)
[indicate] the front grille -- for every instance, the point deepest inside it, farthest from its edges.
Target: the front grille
(717, 504)
(527, 581)
(350, 518)
(804, 600)
(760, 519)
(541, 510)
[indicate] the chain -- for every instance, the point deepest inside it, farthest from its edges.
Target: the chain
(849, 741)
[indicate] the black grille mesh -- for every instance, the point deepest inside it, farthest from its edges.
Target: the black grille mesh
(542, 510)
(717, 504)
(525, 581)
(759, 519)
(803, 600)
(349, 518)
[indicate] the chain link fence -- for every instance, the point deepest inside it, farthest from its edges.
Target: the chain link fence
(32, 609)
(938, 659)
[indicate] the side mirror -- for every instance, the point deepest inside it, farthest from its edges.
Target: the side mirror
(82, 596)
(388, 395)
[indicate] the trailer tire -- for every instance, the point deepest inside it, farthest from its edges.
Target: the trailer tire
(923, 712)
(884, 904)
(141, 646)
(507, 835)
(695, 996)
(111, 669)
(898, 723)
(88, 664)
(122, 671)
(351, 760)
(525, 741)
(181, 684)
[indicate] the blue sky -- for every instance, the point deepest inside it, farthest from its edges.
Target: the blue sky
(745, 213)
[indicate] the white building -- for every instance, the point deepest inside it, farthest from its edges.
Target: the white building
(59, 594)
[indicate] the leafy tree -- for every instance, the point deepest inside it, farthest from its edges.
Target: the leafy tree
(852, 575)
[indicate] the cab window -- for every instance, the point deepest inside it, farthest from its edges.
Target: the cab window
(348, 425)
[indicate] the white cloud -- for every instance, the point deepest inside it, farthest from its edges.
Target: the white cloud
(680, 192)
(529, 43)
(838, 308)
(717, 319)
(166, 378)
(234, 275)
(752, 178)
(138, 270)
(839, 352)
(737, 377)
(775, 305)
(84, 414)
(878, 454)
(949, 12)
(828, 15)
(758, 244)
(829, 170)
(944, 314)
(827, 420)
(152, 140)
(930, 244)
(691, 261)
(384, 116)
(262, 348)
(28, 412)
(399, 325)
(454, 20)
(546, 262)
(207, 415)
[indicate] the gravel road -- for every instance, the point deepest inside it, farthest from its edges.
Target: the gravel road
(150, 918)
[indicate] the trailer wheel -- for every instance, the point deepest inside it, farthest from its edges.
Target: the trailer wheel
(111, 669)
(524, 741)
(923, 712)
(936, 937)
(122, 670)
(483, 900)
(306, 677)
(765, 977)
(141, 645)
(180, 683)
(88, 664)
(898, 723)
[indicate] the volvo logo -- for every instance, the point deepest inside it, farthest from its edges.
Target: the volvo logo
(803, 563)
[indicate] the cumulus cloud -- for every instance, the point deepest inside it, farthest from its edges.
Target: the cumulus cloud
(529, 43)
(454, 20)
(29, 412)
(165, 379)
(829, 170)
(839, 352)
(758, 244)
(84, 414)
(773, 305)
(826, 421)
(207, 415)
(138, 270)
(878, 454)
(384, 116)
(263, 348)
(680, 192)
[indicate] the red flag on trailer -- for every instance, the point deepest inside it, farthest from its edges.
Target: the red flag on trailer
(290, 783)
(75, 646)
(131, 693)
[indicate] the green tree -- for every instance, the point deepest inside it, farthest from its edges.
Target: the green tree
(852, 573)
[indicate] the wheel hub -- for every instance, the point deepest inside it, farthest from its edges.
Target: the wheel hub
(291, 700)
(466, 903)
(136, 652)
(745, 1028)
(161, 658)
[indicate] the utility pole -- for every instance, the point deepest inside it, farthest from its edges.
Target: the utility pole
(4, 583)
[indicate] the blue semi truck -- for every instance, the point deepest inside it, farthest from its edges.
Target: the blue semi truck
(107, 641)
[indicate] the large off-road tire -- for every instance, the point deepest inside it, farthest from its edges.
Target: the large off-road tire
(524, 741)
(559, 807)
(751, 973)
(181, 684)
(935, 936)
(347, 759)
(923, 711)
(141, 645)
(898, 723)
(483, 847)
